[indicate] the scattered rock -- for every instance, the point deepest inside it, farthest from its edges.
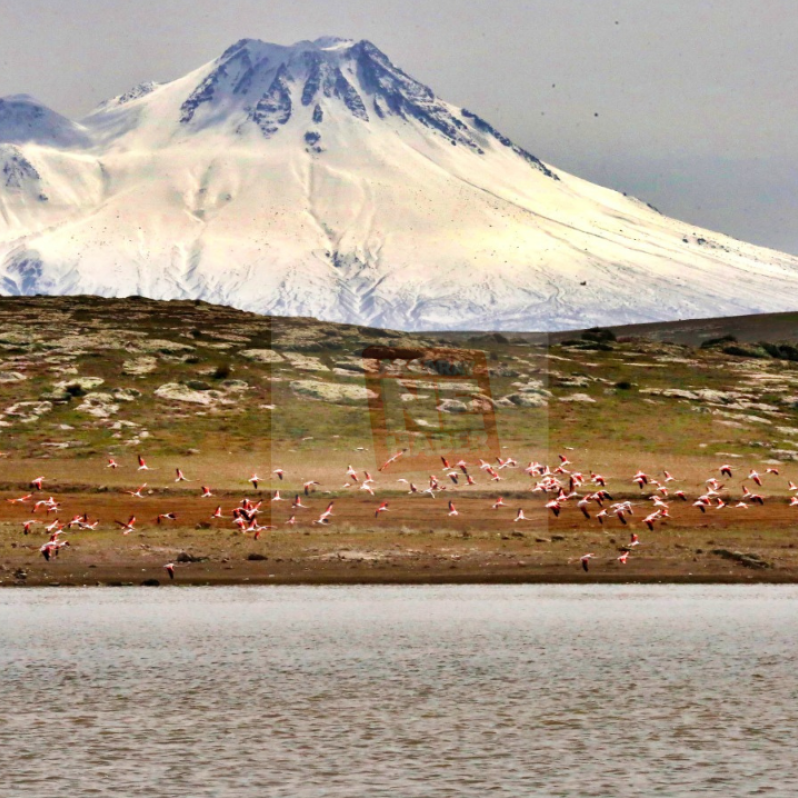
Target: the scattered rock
(177, 392)
(235, 385)
(139, 366)
(330, 392)
(261, 355)
(78, 386)
(784, 454)
(184, 556)
(164, 347)
(305, 362)
(526, 400)
(126, 394)
(28, 412)
(99, 405)
(578, 397)
(574, 381)
(452, 406)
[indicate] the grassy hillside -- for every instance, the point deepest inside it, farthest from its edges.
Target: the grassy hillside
(223, 394)
(82, 378)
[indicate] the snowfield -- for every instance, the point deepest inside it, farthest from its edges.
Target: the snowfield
(321, 180)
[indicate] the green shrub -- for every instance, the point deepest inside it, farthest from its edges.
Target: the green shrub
(741, 351)
(713, 342)
(598, 334)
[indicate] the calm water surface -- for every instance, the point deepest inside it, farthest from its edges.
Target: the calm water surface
(399, 691)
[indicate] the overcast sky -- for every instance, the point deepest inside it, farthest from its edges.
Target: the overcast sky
(696, 100)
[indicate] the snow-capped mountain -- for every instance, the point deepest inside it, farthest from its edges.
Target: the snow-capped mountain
(321, 180)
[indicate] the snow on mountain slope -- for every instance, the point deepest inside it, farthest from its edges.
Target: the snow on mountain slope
(319, 179)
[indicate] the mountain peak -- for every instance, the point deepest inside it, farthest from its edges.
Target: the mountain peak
(266, 86)
(24, 119)
(320, 179)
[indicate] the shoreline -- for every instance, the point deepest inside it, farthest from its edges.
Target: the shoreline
(395, 575)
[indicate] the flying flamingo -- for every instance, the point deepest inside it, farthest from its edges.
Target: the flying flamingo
(129, 527)
(392, 459)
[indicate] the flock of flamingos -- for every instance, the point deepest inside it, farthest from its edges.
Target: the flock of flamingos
(561, 487)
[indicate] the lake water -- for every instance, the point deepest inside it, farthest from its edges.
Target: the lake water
(399, 691)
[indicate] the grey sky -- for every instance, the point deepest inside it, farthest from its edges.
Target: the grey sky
(696, 100)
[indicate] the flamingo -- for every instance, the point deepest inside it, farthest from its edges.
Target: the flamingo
(585, 559)
(383, 508)
(170, 569)
(392, 459)
(280, 473)
(554, 506)
(129, 526)
(452, 510)
(37, 483)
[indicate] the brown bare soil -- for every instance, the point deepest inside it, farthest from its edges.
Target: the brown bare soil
(414, 541)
